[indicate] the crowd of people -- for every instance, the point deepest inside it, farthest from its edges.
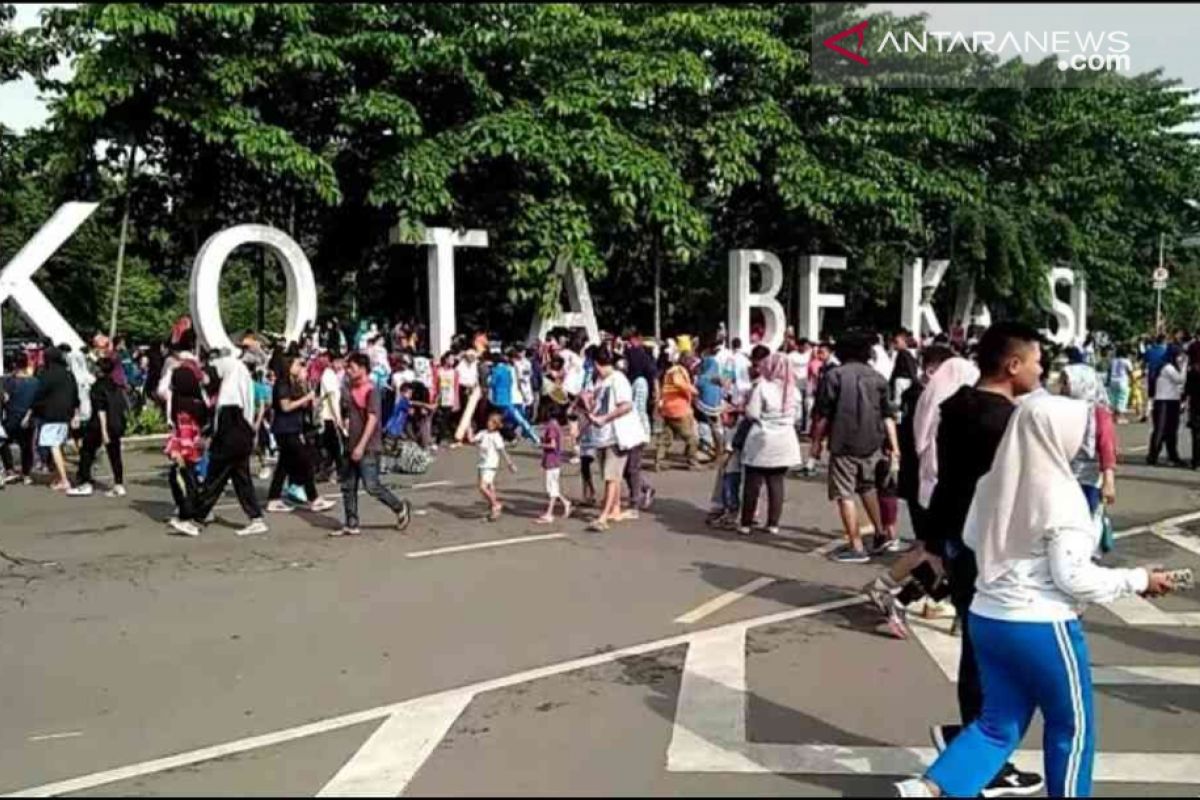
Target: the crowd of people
(1004, 455)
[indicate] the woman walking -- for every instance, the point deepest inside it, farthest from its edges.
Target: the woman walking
(1168, 394)
(292, 401)
(771, 446)
(1033, 537)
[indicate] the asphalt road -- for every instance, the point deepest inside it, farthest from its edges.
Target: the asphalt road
(293, 663)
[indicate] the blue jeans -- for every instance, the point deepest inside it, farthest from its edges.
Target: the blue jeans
(731, 491)
(513, 416)
(366, 472)
(1026, 666)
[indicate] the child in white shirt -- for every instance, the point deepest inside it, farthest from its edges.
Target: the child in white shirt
(491, 449)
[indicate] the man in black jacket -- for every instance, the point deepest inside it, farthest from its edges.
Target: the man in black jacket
(106, 427)
(972, 424)
(56, 407)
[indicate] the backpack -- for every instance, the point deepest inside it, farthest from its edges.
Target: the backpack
(411, 459)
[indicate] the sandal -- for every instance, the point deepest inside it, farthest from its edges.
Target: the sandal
(598, 526)
(544, 520)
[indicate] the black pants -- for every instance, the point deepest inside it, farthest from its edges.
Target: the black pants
(962, 571)
(92, 440)
(184, 490)
(1166, 430)
(755, 478)
(221, 470)
(331, 446)
(295, 464)
(23, 439)
(1195, 426)
(444, 424)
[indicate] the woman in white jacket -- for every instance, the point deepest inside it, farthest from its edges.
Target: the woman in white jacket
(771, 446)
(1033, 539)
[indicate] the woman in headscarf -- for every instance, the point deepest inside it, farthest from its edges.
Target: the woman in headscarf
(1095, 464)
(771, 446)
(639, 367)
(1033, 538)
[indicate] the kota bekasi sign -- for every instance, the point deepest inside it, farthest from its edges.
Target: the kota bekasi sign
(917, 314)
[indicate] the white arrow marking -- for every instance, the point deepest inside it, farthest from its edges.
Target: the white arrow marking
(385, 764)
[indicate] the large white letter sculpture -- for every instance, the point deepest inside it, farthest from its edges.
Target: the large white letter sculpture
(1071, 318)
(741, 300)
(579, 298)
(967, 307)
(916, 310)
(16, 279)
(206, 282)
(442, 241)
(812, 302)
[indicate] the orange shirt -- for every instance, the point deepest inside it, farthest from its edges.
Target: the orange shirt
(677, 393)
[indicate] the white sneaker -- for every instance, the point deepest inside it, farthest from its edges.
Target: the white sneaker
(346, 532)
(255, 527)
(116, 491)
(321, 504)
(183, 527)
(913, 787)
(279, 507)
(82, 490)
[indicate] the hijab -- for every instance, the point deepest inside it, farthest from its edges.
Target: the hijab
(1084, 384)
(952, 375)
(1030, 489)
(778, 369)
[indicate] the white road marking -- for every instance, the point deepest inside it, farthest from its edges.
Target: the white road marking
(105, 777)
(719, 602)
(462, 548)
(49, 736)
(1137, 448)
(431, 484)
(709, 733)
(388, 760)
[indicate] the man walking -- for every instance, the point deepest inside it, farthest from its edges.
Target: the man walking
(854, 410)
(972, 424)
(361, 409)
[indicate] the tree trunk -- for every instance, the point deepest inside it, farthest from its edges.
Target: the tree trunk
(116, 303)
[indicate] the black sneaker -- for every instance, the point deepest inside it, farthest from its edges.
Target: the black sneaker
(1011, 782)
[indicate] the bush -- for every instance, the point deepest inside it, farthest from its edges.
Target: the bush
(147, 420)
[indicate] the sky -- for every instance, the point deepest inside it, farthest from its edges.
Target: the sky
(1160, 35)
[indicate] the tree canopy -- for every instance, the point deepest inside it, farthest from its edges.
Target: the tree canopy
(601, 133)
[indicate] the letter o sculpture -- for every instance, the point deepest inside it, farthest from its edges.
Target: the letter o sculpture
(206, 282)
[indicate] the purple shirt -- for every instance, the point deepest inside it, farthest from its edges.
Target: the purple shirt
(552, 446)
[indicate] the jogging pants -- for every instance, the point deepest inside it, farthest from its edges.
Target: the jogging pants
(295, 464)
(1026, 666)
(92, 442)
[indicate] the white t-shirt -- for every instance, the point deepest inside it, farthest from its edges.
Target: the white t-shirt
(800, 363)
(490, 444)
(401, 377)
(881, 361)
(468, 374)
(625, 431)
(523, 385)
(572, 372)
(1170, 384)
(742, 382)
(331, 394)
